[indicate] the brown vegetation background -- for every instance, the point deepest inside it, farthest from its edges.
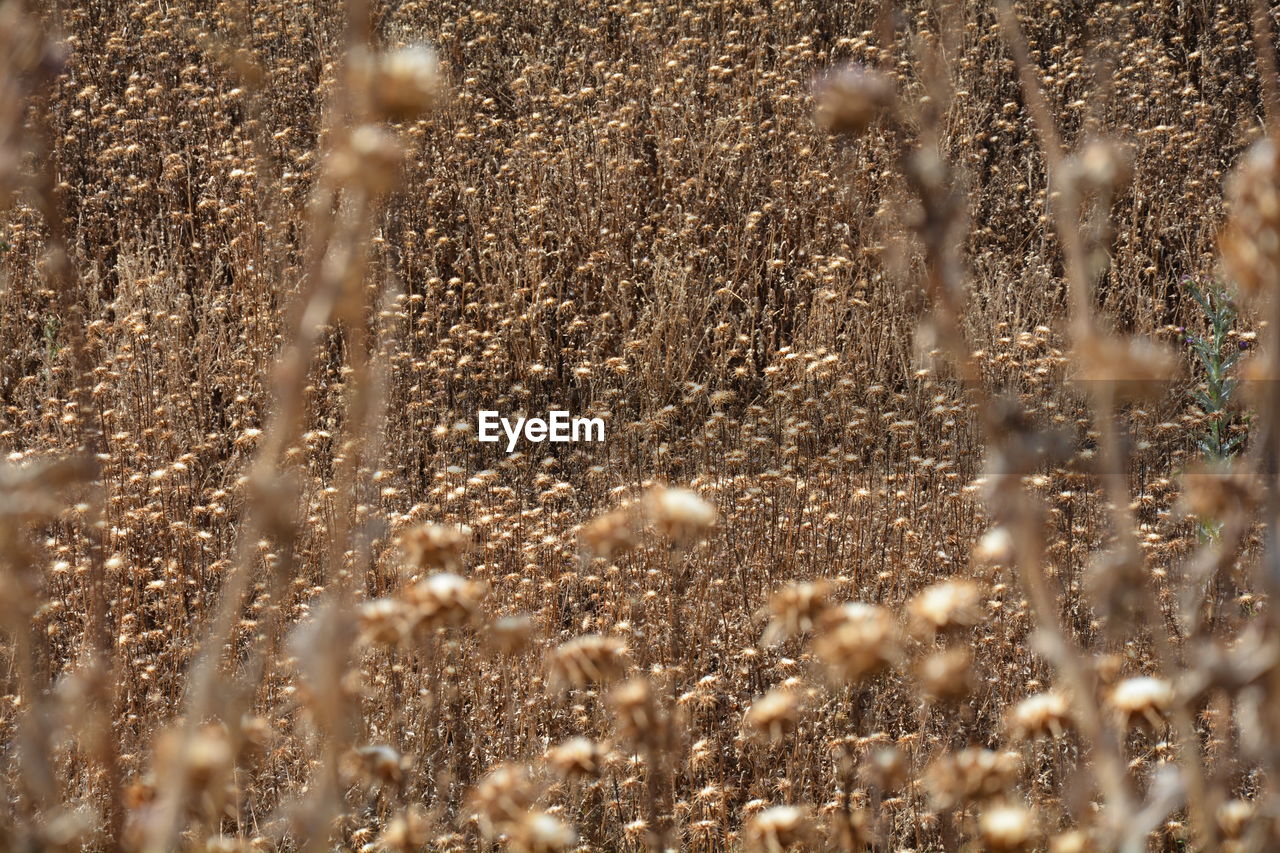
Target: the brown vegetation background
(625, 210)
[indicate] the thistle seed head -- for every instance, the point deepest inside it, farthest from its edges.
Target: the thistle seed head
(591, 659)
(780, 828)
(774, 715)
(861, 641)
(1039, 716)
(679, 514)
(795, 610)
(1007, 828)
(1142, 700)
(847, 101)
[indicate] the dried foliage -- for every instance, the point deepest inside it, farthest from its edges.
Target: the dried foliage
(902, 536)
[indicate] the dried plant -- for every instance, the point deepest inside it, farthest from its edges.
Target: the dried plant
(934, 513)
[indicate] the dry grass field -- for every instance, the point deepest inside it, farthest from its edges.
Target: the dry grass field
(936, 347)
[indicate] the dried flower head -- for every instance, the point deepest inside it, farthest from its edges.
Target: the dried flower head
(435, 546)
(578, 758)
(1144, 699)
(1129, 369)
(860, 641)
(443, 600)
(850, 99)
(1234, 816)
(613, 533)
(205, 759)
(773, 716)
(510, 635)
(995, 548)
(679, 514)
(540, 832)
(970, 775)
(1071, 841)
(407, 832)
(384, 622)
(370, 160)
(1040, 715)
(226, 844)
(1250, 243)
(377, 764)
(502, 798)
(1218, 491)
(403, 84)
(637, 716)
(850, 829)
(779, 828)
(591, 659)
(946, 675)
(794, 610)
(1102, 165)
(886, 768)
(947, 606)
(1007, 828)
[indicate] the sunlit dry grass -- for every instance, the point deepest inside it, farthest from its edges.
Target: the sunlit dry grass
(901, 537)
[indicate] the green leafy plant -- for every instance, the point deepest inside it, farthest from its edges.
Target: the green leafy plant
(1218, 352)
(50, 330)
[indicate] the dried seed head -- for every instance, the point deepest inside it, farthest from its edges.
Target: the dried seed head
(592, 659)
(637, 718)
(679, 514)
(1250, 243)
(795, 609)
(611, 534)
(1071, 841)
(850, 829)
(773, 716)
(502, 798)
(1101, 166)
(1233, 817)
(403, 84)
(779, 828)
(1040, 715)
(578, 758)
(636, 831)
(1142, 700)
(947, 675)
(849, 100)
(885, 768)
(435, 546)
(407, 832)
(970, 775)
(540, 832)
(1108, 667)
(255, 737)
(945, 607)
(207, 759)
(860, 642)
(441, 601)
(140, 793)
(1218, 492)
(1131, 369)
(1007, 828)
(511, 635)
(384, 622)
(377, 764)
(370, 160)
(995, 548)
(225, 844)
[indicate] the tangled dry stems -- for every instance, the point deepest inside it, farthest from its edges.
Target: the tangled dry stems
(933, 579)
